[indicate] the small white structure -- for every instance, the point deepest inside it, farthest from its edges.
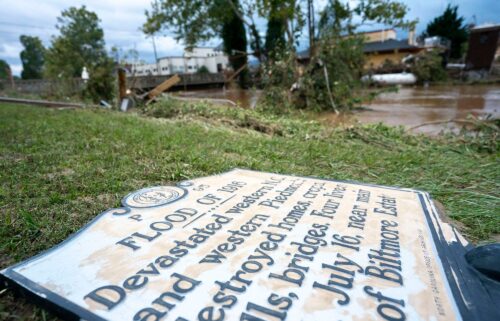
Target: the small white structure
(436, 42)
(213, 59)
(391, 79)
(85, 74)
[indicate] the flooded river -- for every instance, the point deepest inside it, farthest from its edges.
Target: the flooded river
(409, 106)
(414, 106)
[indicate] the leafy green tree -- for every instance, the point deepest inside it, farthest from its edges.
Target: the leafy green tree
(4, 70)
(32, 57)
(451, 26)
(81, 44)
(342, 18)
(275, 34)
(199, 20)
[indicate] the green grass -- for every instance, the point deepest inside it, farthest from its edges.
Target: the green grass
(60, 168)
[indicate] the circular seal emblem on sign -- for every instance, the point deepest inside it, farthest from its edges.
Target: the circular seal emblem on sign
(154, 196)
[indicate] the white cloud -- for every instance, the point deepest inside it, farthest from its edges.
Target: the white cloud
(121, 21)
(16, 69)
(10, 50)
(31, 12)
(164, 46)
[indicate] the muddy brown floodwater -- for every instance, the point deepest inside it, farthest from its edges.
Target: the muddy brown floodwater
(412, 106)
(409, 106)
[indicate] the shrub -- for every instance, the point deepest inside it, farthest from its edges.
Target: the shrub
(203, 70)
(428, 66)
(101, 84)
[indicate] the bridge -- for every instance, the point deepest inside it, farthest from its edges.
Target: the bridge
(187, 80)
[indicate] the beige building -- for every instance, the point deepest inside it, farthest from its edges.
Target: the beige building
(379, 35)
(382, 45)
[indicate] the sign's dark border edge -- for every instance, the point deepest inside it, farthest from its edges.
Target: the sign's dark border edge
(43, 297)
(465, 283)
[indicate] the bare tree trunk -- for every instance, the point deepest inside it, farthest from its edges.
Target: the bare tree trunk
(11, 77)
(289, 33)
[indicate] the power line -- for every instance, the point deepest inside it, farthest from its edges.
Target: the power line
(14, 24)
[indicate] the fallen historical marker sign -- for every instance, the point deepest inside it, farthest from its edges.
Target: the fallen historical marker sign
(248, 245)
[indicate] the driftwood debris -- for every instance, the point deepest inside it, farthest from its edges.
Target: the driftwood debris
(234, 75)
(162, 87)
(44, 103)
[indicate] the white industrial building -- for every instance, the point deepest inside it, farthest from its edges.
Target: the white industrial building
(192, 60)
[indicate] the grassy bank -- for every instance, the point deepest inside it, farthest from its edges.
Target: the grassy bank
(60, 168)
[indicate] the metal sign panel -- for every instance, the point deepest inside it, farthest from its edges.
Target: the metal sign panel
(248, 245)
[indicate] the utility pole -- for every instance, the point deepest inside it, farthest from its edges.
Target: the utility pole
(156, 56)
(154, 47)
(122, 85)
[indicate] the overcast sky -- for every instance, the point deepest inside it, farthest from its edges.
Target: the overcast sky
(121, 20)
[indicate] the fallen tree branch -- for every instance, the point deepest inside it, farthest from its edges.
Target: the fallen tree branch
(329, 90)
(196, 99)
(372, 140)
(235, 74)
(439, 122)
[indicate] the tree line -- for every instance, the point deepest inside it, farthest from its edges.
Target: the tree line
(325, 75)
(80, 43)
(334, 56)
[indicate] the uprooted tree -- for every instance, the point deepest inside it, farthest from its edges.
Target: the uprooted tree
(328, 73)
(335, 58)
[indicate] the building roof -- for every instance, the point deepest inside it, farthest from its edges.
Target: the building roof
(376, 46)
(217, 48)
(388, 45)
(168, 57)
(375, 31)
(486, 27)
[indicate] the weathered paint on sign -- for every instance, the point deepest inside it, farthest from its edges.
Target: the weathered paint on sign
(248, 245)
